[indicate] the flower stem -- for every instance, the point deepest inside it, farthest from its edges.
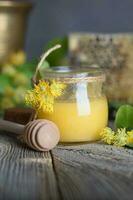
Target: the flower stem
(43, 57)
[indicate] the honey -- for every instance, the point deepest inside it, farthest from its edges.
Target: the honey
(82, 111)
(76, 128)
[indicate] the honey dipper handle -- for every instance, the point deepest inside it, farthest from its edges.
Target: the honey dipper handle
(11, 127)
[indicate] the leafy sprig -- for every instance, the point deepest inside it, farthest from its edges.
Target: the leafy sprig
(123, 135)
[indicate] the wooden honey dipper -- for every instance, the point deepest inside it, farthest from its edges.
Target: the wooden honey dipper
(40, 134)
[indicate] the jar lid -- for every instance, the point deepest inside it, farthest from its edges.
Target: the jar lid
(73, 74)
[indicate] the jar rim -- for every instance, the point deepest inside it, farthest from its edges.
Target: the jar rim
(74, 74)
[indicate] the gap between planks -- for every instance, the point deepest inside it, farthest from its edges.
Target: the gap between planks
(94, 171)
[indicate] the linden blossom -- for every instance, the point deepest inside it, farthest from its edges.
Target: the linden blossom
(130, 137)
(119, 138)
(41, 98)
(107, 135)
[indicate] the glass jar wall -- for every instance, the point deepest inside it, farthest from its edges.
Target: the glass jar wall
(81, 112)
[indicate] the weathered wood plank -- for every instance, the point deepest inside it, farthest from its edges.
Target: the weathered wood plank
(91, 171)
(94, 171)
(24, 173)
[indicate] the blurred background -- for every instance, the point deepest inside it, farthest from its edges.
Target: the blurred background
(50, 19)
(28, 28)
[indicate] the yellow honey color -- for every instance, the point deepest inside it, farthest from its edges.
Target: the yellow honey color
(76, 128)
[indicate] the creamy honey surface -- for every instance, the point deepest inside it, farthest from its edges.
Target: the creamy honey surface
(76, 126)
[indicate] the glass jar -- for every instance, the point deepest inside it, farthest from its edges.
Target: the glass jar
(81, 112)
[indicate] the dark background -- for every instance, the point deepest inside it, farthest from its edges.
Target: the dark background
(55, 18)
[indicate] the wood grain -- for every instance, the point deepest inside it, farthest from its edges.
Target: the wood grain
(94, 171)
(89, 171)
(25, 174)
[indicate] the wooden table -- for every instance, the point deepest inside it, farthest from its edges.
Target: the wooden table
(89, 171)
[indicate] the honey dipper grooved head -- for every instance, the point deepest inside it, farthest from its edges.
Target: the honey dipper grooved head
(41, 135)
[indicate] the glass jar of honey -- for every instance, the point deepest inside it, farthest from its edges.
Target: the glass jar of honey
(81, 112)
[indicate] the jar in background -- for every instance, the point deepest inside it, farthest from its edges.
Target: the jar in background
(13, 24)
(81, 112)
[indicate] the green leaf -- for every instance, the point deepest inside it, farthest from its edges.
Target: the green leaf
(124, 117)
(41, 71)
(57, 57)
(44, 65)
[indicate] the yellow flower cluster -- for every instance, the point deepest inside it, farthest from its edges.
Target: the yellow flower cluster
(119, 138)
(42, 97)
(107, 135)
